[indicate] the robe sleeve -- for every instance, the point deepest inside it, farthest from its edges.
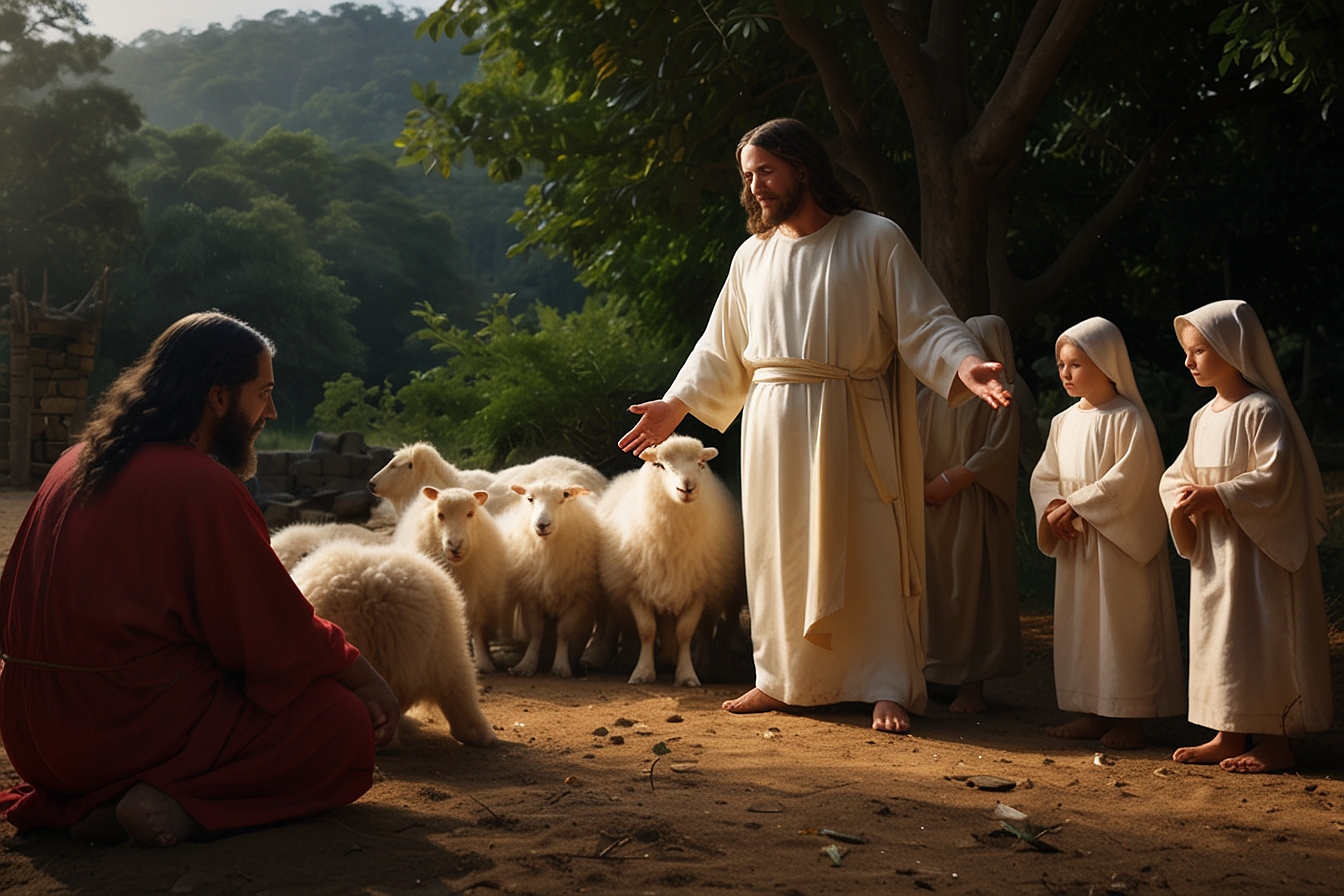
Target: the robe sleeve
(1123, 505)
(995, 462)
(715, 379)
(930, 339)
(251, 615)
(1268, 501)
(1180, 473)
(1045, 488)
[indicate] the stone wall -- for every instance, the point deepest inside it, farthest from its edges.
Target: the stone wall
(329, 481)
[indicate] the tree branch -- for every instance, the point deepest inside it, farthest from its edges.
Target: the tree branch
(1034, 292)
(899, 42)
(860, 155)
(1010, 111)
(946, 42)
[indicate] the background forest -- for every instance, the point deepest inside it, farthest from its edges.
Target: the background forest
(1054, 160)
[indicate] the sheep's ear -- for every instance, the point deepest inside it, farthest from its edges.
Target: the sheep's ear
(576, 490)
(481, 497)
(518, 489)
(430, 492)
(709, 453)
(649, 455)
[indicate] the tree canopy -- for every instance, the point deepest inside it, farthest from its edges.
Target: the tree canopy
(63, 208)
(1009, 140)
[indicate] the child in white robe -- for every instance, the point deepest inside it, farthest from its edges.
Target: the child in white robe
(972, 630)
(1116, 641)
(1246, 507)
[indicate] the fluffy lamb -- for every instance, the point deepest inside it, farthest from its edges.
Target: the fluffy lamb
(292, 543)
(415, 466)
(405, 615)
(552, 468)
(453, 528)
(554, 539)
(672, 545)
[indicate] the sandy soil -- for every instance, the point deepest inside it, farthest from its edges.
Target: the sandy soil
(571, 801)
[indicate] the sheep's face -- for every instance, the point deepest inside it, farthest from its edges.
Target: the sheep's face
(546, 505)
(679, 464)
(455, 511)
(391, 480)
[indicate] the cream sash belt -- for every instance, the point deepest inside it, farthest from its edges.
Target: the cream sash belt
(800, 370)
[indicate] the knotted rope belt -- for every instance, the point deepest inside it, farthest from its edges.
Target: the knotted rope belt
(800, 370)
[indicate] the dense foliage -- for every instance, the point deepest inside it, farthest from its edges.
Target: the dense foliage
(345, 75)
(63, 209)
(511, 392)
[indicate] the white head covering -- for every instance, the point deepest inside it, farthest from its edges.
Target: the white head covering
(1102, 342)
(1233, 330)
(992, 332)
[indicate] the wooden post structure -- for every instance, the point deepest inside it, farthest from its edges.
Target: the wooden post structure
(51, 358)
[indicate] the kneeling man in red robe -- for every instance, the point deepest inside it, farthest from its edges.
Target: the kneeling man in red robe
(162, 676)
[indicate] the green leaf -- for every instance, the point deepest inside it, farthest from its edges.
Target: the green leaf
(661, 749)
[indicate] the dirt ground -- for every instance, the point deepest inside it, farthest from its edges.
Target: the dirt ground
(575, 799)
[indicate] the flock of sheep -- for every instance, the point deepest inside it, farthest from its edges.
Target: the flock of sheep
(550, 546)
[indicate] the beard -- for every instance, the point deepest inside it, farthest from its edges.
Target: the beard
(786, 207)
(233, 441)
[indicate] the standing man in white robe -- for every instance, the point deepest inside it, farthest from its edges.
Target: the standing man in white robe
(825, 320)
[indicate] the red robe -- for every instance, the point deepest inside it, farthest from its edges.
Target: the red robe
(201, 668)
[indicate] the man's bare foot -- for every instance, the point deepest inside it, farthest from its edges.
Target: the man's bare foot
(1225, 745)
(1125, 734)
(755, 700)
(153, 818)
(970, 698)
(891, 716)
(1088, 727)
(1272, 754)
(99, 826)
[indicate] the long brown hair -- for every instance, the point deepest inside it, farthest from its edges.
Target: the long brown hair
(797, 144)
(160, 397)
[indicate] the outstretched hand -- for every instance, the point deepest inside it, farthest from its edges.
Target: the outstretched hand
(985, 379)
(657, 421)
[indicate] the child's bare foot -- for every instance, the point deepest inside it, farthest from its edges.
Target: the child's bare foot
(755, 700)
(1271, 754)
(99, 826)
(1224, 745)
(1126, 734)
(153, 818)
(1088, 727)
(890, 716)
(970, 698)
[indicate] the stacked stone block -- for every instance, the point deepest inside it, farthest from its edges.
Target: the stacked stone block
(330, 481)
(50, 365)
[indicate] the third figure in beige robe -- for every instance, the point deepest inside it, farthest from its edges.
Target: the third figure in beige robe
(973, 630)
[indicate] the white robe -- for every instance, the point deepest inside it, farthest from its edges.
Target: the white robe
(802, 341)
(973, 630)
(1117, 643)
(1259, 651)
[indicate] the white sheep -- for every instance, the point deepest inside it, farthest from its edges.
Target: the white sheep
(294, 542)
(672, 545)
(554, 539)
(415, 466)
(552, 468)
(405, 615)
(453, 528)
